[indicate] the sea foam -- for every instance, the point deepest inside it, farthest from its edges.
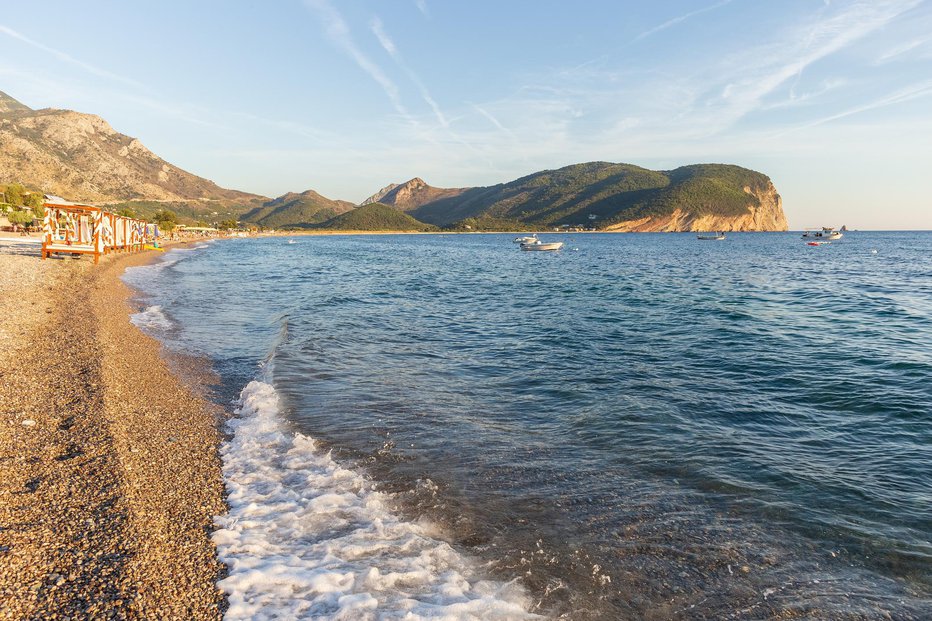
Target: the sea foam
(308, 538)
(152, 318)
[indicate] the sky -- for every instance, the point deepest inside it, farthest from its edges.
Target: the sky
(831, 99)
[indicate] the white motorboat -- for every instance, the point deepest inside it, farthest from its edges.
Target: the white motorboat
(713, 236)
(539, 245)
(825, 233)
(527, 239)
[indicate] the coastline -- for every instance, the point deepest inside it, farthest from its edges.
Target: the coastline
(109, 466)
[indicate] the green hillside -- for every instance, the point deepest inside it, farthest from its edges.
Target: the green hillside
(609, 192)
(296, 211)
(375, 217)
(188, 212)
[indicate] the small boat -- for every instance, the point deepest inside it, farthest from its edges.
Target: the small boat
(826, 232)
(291, 241)
(715, 236)
(817, 243)
(527, 239)
(539, 245)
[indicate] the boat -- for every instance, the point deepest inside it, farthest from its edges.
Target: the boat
(526, 239)
(715, 236)
(817, 243)
(291, 241)
(826, 232)
(539, 245)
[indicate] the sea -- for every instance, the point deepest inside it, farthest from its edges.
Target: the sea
(638, 426)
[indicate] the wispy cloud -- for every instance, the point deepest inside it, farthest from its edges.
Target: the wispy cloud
(489, 116)
(756, 73)
(900, 50)
(807, 97)
(908, 93)
(103, 73)
(339, 33)
(682, 18)
(422, 7)
(379, 31)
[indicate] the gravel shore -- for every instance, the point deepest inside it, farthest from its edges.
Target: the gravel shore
(109, 470)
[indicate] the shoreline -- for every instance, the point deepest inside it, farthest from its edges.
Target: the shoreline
(109, 465)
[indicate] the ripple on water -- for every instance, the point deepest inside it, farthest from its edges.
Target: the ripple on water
(646, 427)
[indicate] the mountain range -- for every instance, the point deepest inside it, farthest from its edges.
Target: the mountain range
(605, 196)
(81, 157)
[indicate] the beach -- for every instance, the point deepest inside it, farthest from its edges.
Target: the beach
(109, 470)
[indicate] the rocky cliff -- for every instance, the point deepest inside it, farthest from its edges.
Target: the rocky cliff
(79, 156)
(764, 213)
(412, 194)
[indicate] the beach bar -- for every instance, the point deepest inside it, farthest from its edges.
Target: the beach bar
(73, 228)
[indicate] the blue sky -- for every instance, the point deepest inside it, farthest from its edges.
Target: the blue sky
(831, 99)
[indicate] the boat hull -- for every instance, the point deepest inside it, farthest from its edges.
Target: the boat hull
(542, 246)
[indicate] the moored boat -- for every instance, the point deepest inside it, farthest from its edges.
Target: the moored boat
(712, 236)
(526, 239)
(539, 245)
(825, 233)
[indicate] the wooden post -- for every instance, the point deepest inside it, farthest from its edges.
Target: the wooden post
(98, 235)
(47, 232)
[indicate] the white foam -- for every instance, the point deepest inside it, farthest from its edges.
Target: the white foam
(151, 318)
(307, 538)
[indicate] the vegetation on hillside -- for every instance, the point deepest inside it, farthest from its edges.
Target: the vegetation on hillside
(296, 211)
(603, 193)
(486, 223)
(186, 212)
(21, 206)
(375, 217)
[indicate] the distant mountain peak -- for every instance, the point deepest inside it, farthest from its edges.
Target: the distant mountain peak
(297, 210)
(8, 104)
(81, 157)
(411, 194)
(375, 198)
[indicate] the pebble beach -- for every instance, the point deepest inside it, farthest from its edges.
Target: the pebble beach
(109, 469)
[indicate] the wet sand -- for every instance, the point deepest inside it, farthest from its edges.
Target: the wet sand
(109, 471)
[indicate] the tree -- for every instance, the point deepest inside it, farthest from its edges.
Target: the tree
(24, 217)
(165, 215)
(13, 194)
(166, 219)
(126, 212)
(35, 201)
(226, 225)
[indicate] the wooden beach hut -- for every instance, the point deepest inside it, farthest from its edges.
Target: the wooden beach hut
(73, 228)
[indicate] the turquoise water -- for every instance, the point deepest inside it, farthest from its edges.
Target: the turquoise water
(636, 426)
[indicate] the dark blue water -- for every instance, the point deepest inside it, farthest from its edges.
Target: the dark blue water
(638, 426)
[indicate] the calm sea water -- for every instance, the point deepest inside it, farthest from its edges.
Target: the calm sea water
(637, 426)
